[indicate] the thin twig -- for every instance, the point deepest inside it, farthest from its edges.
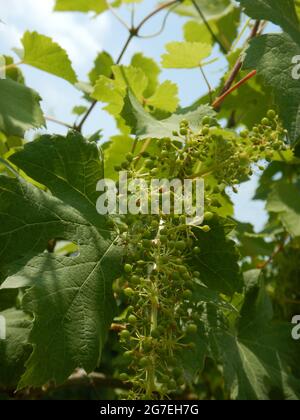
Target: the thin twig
(214, 36)
(279, 249)
(218, 102)
(55, 121)
(118, 17)
(133, 32)
(207, 83)
(238, 65)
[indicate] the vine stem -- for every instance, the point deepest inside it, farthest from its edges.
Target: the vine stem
(54, 120)
(280, 248)
(238, 65)
(214, 36)
(218, 102)
(133, 33)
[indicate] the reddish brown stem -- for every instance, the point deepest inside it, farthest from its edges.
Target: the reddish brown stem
(218, 102)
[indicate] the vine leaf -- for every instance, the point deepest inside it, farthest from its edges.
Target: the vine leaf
(144, 125)
(272, 57)
(71, 298)
(19, 108)
(218, 261)
(185, 55)
(254, 365)
(97, 6)
(280, 12)
(14, 349)
(285, 201)
(43, 53)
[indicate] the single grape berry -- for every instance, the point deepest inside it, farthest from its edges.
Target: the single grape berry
(271, 114)
(265, 121)
(208, 216)
(128, 268)
(129, 157)
(187, 294)
(125, 335)
(180, 245)
(205, 131)
(197, 250)
(191, 328)
(129, 292)
(124, 377)
(205, 228)
(144, 362)
(183, 131)
(132, 319)
(206, 120)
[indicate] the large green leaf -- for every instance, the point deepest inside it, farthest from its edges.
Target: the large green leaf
(258, 359)
(71, 298)
(280, 12)
(144, 125)
(43, 53)
(19, 108)
(272, 57)
(14, 349)
(285, 201)
(218, 261)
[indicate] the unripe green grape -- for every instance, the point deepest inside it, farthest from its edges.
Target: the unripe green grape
(154, 171)
(191, 328)
(124, 377)
(144, 362)
(184, 123)
(244, 134)
(180, 245)
(129, 292)
(196, 250)
(205, 131)
(129, 354)
(187, 294)
(128, 268)
(129, 157)
(132, 319)
(205, 228)
(125, 335)
(149, 164)
(271, 114)
(208, 216)
(148, 344)
(206, 120)
(183, 131)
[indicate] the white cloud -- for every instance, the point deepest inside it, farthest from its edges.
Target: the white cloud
(79, 34)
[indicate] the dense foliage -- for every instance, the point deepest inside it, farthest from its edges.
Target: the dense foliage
(148, 306)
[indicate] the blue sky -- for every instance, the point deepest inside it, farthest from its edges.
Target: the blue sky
(83, 37)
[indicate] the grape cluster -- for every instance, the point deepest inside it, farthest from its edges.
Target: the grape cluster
(163, 314)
